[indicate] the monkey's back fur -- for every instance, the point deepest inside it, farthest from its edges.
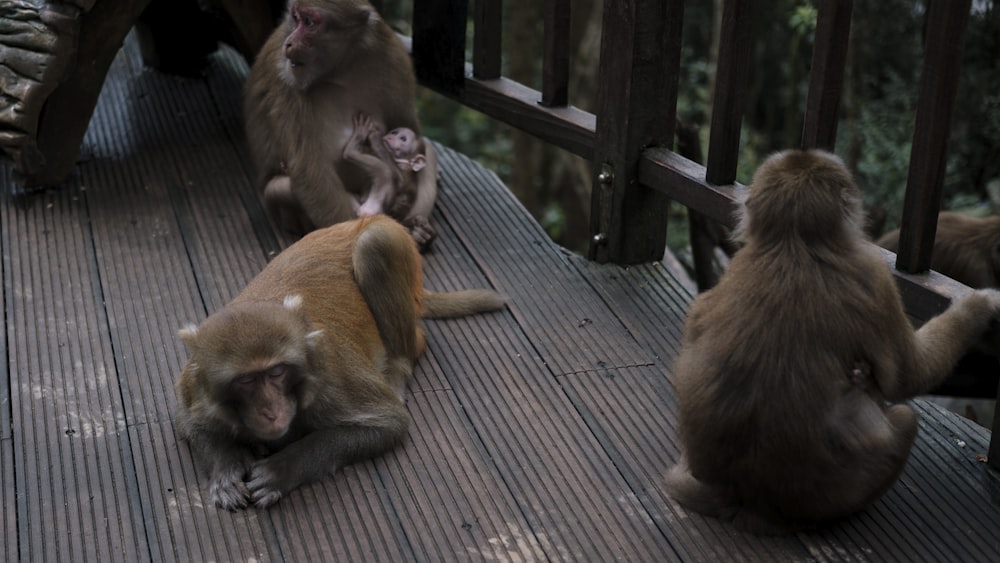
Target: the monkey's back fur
(787, 365)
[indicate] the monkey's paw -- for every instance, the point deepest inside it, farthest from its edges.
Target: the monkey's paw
(264, 485)
(228, 491)
(422, 232)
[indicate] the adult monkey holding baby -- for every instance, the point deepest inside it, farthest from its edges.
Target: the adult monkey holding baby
(328, 61)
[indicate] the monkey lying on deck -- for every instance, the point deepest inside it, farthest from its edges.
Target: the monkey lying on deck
(305, 371)
(789, 366)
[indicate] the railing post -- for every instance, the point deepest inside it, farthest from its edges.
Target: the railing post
(735, 40)
(636, 106)
(826, 81)
(928, 156)
(439, 43)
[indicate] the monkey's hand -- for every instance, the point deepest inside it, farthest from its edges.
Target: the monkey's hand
(265, 483)
(228, 491)
(422, 232)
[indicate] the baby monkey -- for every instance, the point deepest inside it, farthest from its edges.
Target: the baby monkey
(392, 161)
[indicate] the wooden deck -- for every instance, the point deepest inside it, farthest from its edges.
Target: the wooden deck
(540, 433)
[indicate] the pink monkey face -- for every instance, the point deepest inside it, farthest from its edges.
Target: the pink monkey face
(401, 142)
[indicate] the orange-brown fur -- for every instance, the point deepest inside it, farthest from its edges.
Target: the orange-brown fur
(790, 366)
(326, 337)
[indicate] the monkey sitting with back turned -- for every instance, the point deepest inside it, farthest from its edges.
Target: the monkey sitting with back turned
(793, 368)
(305, 371)
(392, 161)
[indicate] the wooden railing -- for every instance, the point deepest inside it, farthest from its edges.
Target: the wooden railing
(629, 141)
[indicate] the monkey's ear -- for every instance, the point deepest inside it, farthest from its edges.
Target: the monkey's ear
(417, 163)
(293, 302)
(189, 333)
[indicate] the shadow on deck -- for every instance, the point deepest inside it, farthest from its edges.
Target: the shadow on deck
(540, 433)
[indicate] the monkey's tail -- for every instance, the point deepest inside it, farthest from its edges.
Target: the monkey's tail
(460, 303)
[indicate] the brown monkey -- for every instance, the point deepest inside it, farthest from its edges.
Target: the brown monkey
(392, 160)
(966, 249)
(789, 366)
(328, 61)
(305, 370)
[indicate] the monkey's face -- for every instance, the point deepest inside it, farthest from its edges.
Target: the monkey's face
(252, 359)
(406, 148)
(320, 39)
(265, 402)
(401, 142)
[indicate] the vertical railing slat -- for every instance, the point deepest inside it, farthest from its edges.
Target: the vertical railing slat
(727, 117)
(826, 82)
(486, 42)
(439, 43)
(730, 91)
(555, 60)
(936, 101)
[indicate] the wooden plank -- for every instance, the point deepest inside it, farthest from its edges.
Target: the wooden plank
(444, 479)
(928, 156)
(563, 483)
(152, 284)
(510, 246)
(8, 488)
(67, 459)
(628, 223)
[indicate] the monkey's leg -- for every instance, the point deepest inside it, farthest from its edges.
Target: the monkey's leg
(387, 269)
(427, 188)
(284, 208)
(878, 469)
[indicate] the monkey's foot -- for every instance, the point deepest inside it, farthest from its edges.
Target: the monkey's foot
(422, 232)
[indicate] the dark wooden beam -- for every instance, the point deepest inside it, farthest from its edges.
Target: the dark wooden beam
(439, 43)
(637, 101)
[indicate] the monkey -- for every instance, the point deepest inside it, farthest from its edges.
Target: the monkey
(792, 370)
(327, 61)
(966, 249)
(305, 370)
(392, 160)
